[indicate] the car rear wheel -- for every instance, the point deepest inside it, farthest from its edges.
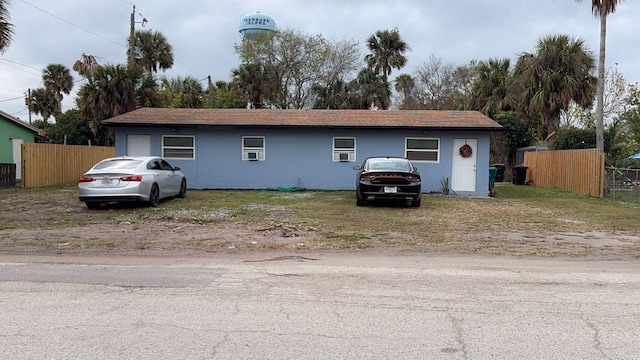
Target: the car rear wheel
(415, 203)
(183, 189)
(359, 201)
(93, 205)
(154, 196)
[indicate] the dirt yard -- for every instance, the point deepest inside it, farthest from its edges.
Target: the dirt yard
(57, 223)
(54, 224)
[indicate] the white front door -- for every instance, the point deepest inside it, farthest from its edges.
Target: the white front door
(463, 169)
(139, 145)
(17, 157)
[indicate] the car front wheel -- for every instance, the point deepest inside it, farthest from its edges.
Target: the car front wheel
(183, 189)
(154, 196)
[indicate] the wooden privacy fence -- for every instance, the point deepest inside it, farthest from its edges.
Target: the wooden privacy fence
(580, 171)
(53, 164)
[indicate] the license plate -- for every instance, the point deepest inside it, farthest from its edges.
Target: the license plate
(390, 189)
(106, 182)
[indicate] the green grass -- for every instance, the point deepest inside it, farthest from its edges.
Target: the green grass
(467, 224)
(601, 213)
(517, 208)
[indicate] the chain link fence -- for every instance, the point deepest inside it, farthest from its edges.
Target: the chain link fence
(623, 185)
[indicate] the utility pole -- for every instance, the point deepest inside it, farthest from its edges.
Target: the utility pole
(132, 36)
(133, 55)
(27, 102)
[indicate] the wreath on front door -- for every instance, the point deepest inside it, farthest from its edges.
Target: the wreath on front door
(466, 151)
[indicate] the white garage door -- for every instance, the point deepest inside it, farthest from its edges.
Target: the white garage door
(139, 145)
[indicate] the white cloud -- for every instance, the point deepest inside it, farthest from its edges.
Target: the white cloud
(203, 32)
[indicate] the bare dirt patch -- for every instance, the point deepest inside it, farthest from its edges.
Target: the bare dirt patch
(55, 223)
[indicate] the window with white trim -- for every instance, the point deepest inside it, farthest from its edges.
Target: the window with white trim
(253, 148)
(179, 146)
(422, 149)
(344, 149)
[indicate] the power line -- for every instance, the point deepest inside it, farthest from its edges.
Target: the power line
(18, 113)
(17, 68)
(186, 67)
(17, 63)
(72, 24)
(15, 98)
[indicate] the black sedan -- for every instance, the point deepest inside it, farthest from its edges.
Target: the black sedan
(388, 178)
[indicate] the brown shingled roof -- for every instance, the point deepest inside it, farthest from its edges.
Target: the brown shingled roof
(444, 119)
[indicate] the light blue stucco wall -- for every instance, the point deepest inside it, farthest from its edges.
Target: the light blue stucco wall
(303, 157)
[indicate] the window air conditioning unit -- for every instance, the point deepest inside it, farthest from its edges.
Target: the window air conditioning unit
(252, 156)
(343, 156)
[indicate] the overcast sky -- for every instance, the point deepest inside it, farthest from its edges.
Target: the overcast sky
(203, 32)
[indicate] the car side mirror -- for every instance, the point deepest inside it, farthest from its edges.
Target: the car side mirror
(177, 168)
(356, 167)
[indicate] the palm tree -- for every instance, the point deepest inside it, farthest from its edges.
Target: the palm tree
(182, 92)
(372, 89)
(547, 81)
(111, 91)
(601, 9)
(405, 84)
(148, 94)
(43, 102)
(57, 79)
(86, 65)
(491, 85)
(333, 96)
(6, 28)
(387, 52)
(251, 80)
(155, 51)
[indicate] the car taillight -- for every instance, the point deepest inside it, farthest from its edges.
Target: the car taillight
(131, 178)
(414, 178)
(367, 177)
(83, 179)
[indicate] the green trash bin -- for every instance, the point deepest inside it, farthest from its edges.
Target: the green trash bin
(500, 173)
(492, 178)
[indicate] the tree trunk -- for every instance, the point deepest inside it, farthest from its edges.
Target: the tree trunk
(552, 131)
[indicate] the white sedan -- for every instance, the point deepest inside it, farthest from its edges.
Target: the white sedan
(123, 179)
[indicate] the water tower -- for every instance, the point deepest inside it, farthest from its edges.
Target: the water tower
(254, 24)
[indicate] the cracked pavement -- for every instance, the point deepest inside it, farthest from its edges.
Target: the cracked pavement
(319, 306)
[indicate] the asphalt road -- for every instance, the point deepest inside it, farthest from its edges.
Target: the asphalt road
(319, 306)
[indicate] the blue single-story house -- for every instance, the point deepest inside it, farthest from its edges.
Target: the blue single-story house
(311, 149)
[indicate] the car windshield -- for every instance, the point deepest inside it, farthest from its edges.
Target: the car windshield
(118, 164)
(389, 164)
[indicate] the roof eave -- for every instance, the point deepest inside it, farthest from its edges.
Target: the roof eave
(286, 126)
(30, 127)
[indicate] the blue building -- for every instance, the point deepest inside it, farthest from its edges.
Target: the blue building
(312, 149)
